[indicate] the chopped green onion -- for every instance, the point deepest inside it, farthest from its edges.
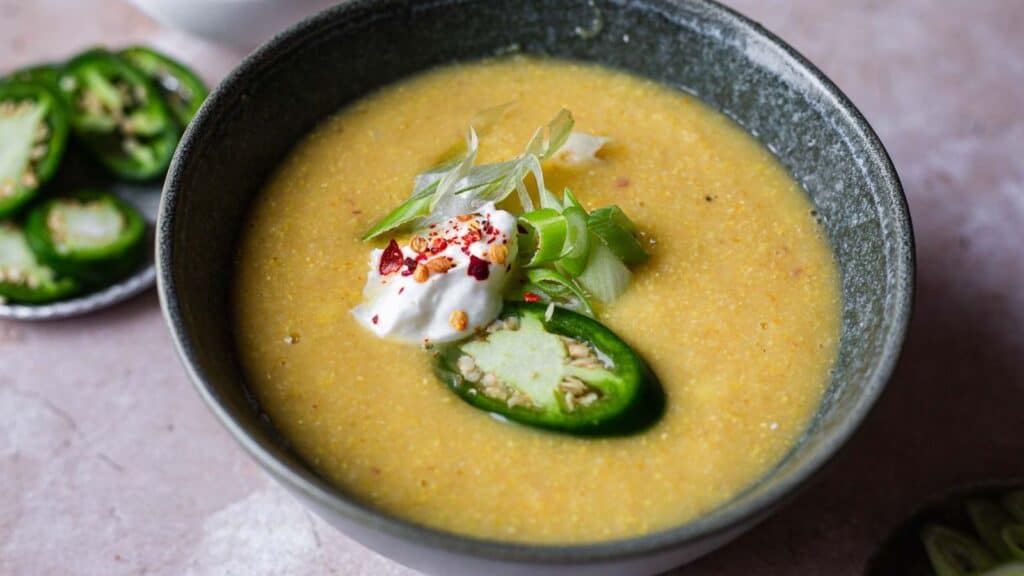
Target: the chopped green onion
(1014, 504)
(559, 287)
(569, 199)
(430, 188)
(558, 131)
(549, 200)
(458, 187)
(544, 237)
(611, 225)
(605, 276)
(989, 519)
(415, 207)
(953, 553)
(1013, 537)
(446, 185)
(1009, 569)
(577, 242)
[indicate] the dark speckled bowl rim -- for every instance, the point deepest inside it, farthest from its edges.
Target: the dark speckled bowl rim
(719, 522)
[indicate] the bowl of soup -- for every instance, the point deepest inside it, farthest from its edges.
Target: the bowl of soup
(530, 288)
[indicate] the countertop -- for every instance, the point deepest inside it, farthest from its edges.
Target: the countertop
(110, 464)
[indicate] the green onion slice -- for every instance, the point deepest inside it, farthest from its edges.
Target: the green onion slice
(1013, 537)
(1014, 504)
(569, 200)
(953, 553)
(989, 519)
(616, 231)
(544, 237)
(459, 187)
(558, 287)
(605, 276)
(577, 241)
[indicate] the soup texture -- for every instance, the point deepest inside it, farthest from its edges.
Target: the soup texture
(737, 311)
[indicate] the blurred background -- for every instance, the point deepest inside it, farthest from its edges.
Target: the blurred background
(109, 463)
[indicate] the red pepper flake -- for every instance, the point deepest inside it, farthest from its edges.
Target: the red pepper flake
(438, 245)
(622, 182)
(410, 263)
(531, 297)
(391, 259)
(375, 318)
(402, 289)
(478, 268)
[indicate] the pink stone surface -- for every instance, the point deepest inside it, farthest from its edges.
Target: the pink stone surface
(110, 464)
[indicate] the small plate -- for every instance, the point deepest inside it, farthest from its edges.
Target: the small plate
(76, 175)
(902, 551)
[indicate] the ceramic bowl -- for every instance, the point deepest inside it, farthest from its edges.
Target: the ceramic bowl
(293, 82)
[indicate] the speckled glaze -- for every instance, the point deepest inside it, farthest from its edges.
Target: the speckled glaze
(290, 84)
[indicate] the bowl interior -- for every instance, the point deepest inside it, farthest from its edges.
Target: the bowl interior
(284, 89)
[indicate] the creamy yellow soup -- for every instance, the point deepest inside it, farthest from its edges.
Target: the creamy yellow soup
(737, 311)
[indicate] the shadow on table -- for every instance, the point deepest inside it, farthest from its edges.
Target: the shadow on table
(953, 414)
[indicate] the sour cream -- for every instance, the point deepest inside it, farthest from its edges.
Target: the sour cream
(464, 269)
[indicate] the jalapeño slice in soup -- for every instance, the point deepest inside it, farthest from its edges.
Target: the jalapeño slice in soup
(546, 366)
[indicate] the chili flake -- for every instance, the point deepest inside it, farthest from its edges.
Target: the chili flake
(391, 259)
(478, 268)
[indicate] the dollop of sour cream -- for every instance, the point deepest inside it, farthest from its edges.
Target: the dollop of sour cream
(465, 265)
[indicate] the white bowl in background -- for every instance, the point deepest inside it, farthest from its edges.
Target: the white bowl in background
(239, 23)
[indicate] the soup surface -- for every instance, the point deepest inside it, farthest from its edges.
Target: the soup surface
(737, 310)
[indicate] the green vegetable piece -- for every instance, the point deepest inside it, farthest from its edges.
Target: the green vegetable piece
(1014, 504)
(22, 277)
(119, 115)
(953, 553)
(554, 369)
(1012, 569)
(988, 520)
(92, 236)
(577, 242)
(459, 187)
(33, 137)
(415, 207)
(611, 225)
(44, 74)
(605, 276)
(181, 88)
(569, 200)
(544, 238)
(1013, 537)
(560, 288)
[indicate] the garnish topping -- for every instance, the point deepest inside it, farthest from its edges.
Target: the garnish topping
(391, 260)
(478, 268)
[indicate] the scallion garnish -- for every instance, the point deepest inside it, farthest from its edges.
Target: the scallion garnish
(577, 241)
(560, 288)
(568, 255)
(611, 225)
(544, 236)
(459, 187)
